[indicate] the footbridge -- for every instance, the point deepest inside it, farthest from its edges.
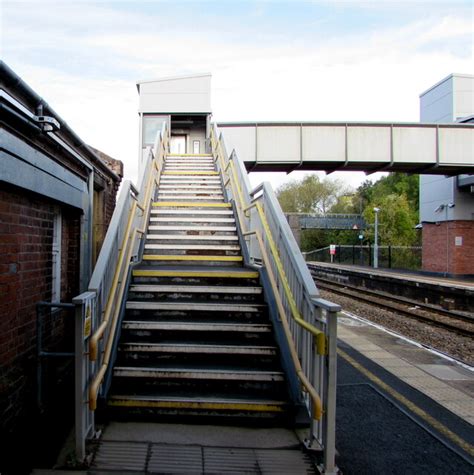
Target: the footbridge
(201, 307)
(443, 149)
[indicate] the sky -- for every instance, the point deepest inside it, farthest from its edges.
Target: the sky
(270, 60)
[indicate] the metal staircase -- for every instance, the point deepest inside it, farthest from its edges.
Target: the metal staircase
(201, 305)
(196, 338)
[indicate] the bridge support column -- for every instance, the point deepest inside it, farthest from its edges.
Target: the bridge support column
(294, 222)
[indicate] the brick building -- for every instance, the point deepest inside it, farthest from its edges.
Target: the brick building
(447, 203)
(57, 197)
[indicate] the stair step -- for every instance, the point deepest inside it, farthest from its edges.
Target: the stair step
(190, 187)
(204, 173)
(185, 257)
(177, 219)
(191, 237)
(201, 191)
(199, 289)
(192, 373)
(184, 204)
(264, 405)
(189, 155)
(167, 196)
(216, 212)
(193, 247)
(199, 327)
(230, 273)
(192, 228)
(198, 349)
(194, 307)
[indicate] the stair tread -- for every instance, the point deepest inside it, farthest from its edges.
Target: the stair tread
(196, 326)
(192, 237)
(194, 306)
(191, 219)
(199, 373)
(198, 212)
(187, 204)
(224, 400)
(196, 289)
(196, 271)
(197, 348)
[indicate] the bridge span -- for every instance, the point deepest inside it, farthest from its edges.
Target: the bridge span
(442, 149)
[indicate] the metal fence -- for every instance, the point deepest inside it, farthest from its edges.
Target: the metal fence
(389, 257)
(305, 324)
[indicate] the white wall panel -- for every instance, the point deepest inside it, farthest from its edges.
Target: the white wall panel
(456, 146)
(278, 144)
(414, 144)
(324, 143)
(176, 95)
(242, 139)
(368, 144)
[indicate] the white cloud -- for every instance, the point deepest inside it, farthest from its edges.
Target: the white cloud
(83, 59)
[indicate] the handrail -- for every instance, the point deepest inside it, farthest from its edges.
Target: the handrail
(142, 200)
(242, 208)
(281, 272)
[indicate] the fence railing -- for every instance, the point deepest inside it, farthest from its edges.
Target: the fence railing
(98, 310)
(389, 257)
(305, 324)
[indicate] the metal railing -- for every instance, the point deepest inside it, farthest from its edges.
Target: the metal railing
(308, 323)
(99, 309)
(389, 257)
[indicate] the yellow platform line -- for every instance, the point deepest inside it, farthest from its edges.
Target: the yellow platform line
(168, 257)
(440, 427)
(197, 405)
(190, 172)
(195, 273)
(193, 204)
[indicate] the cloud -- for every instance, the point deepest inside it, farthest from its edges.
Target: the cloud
(83, 58)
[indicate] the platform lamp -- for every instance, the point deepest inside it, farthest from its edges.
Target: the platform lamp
(376, 238)
(445, 207)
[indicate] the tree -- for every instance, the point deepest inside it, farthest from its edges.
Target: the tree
(309, 195)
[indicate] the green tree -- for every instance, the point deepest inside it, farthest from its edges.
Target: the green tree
(309, 195)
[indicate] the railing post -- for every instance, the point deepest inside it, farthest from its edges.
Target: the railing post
(84, 418)
(330, 389)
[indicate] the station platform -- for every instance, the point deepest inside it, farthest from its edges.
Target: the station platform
(416, 285)
(401, 408)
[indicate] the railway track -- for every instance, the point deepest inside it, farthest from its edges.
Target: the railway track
(456, 322)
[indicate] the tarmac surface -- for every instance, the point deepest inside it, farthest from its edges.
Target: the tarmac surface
(401, 409)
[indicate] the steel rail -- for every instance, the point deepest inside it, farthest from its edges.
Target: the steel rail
(369, 296)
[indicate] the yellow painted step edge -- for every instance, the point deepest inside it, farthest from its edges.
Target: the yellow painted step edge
(191, 204)
(189, 155)
(195, 273)
(189, 173)
(167, 257)
(197, 405)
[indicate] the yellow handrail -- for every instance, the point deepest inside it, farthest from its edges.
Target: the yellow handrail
(127, 244)
(319, 335)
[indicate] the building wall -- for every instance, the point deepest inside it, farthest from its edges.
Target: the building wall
(449, 247)
(26, 238)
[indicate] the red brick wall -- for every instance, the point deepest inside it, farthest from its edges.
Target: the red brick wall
(440, 252)
(26, 236)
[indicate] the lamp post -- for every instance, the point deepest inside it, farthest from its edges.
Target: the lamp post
(376, 238)
(445, 207)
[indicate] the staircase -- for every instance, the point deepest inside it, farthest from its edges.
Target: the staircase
(196, 339)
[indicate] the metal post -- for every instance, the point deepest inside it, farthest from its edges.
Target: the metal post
(330, 415)
(447, 240)
(84, 323)
(376, 242)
